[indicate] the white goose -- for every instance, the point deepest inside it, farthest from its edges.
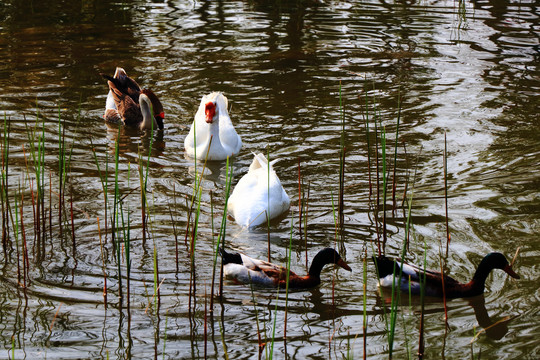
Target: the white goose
(212, 128)
(257, 193)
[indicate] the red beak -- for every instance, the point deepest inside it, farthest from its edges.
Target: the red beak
(210, 111)
(508, 269)
(343, 264)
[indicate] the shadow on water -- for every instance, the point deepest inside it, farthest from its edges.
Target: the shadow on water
(494, 329)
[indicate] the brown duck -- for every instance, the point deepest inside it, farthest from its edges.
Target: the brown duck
(131, 106)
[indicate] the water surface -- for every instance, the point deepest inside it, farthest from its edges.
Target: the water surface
(467, 71)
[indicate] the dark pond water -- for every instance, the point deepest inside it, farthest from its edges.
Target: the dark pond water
(468, 70)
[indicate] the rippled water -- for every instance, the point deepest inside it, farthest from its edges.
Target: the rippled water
(469, 71)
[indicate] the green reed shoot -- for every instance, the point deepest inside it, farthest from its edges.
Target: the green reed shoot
(196, 188)
(385, 180)
(366, 121)
(445, 165)
(364, 303)
(104, 267)
(366, 115)
(395, 287)
(443, 260)
(177, 262)
(37, 153)
(341, 204)
(17, 246)
(421, 343)
(144, 182)
(267, 214)
(396, 142)
(63, 167)
(223, 343)
(22, 248)
(289, 256)
(254, 299)
(126, 237)
(305, 217)
(115, 240)
(223, 227)
(274, 325)
(194, 241)
(4, 185)
(104, 179)
(300, 205)
(336, 224)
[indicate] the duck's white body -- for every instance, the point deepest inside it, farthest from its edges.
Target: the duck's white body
(409, 279)
(111, 111)
(110, 104)
(252, 271)
(258, 193)
(212, 131)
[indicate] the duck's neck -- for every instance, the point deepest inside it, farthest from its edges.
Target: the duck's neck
(211, 142)
(316, 268)
(146, 109)
(214, 133)
(478, 283)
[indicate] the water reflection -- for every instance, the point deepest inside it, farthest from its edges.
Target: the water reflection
(494, 329)
(133, 143)
(330, 309)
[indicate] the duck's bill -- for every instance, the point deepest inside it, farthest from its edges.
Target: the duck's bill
(508, 269)
(343, 264)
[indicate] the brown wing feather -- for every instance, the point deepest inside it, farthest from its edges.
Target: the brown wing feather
(278, 273)
(125, 85)
(112, 116)
(434, 281)
(127, 108)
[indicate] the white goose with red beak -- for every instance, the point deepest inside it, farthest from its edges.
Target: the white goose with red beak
(212, 131)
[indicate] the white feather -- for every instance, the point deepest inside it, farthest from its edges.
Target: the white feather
(246, 276)
(259, 192)
(110, 104)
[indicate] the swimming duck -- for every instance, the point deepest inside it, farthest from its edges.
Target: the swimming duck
(259, 192)
(433, 287)
(247, 270)
(212, 128)
(126, 105)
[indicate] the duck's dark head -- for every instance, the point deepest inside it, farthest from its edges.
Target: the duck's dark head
(326, 256)
(157, 107)
(492, 261)
(499, 261)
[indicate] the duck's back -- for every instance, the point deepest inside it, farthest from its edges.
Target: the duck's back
(257, 194)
